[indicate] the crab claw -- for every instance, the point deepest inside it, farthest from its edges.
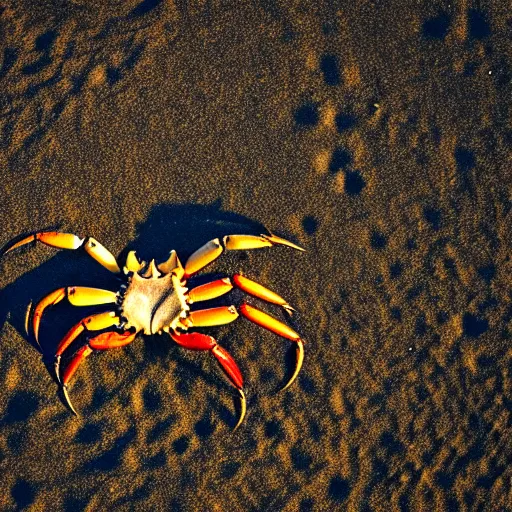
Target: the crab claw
(51, 238)
(56, 367)
(51, 299)
(211, 250)
(95, 322)
(68, 401)
(268, 322)
(277, 240)
(81, 354)
(298, 364)
(258, 290)
(243, 408)
(235, 376)
(103, 341)
(272, 324)
(197, 341)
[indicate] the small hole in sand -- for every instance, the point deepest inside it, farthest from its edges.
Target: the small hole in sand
(478, 25)
(354, 183)
(307, 115)
(310, 224)
(437, 27)
(329, 66)
(378, 240)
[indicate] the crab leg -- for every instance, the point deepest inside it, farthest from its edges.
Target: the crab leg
(91, 323)
(258, 290)
(214, 248)
(104, 341)
(69, 241)
(51, 299)
(84, 352)
(210, 290)
(76, 295)
(51, 238)
(245, 242)
(272, 324)
(210, 317)
(197, 341)
(220, 287)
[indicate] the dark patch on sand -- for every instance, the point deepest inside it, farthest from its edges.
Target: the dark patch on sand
(310, 224)
(354, 183)
(23, 493)
(479, 27)
(339, 489)
(21, 407)
(204, 427)
(145, 7)
(474, 326)
(433, 217)
(378, 240)
(9, 59)
(341, 158)
(329, 65)
(89, 434)
(181, 444)
(345, 122)
(437, 27)
(307, 115)
(487, 272)
(112, 457)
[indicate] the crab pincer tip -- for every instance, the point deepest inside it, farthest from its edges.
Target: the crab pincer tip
(289, 309)
(243, 408)
(66, 396)
(298, 365)
(274, 239)
(27, 318)
(28, 314)
(56, 366)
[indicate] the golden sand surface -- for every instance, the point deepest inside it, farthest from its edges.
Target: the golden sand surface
(375, 134)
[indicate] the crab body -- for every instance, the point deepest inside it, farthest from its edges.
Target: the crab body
(152, 303)
(154, 298)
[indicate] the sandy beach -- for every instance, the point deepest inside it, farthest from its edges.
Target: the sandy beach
(377, 136)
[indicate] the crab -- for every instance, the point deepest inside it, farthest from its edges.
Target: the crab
(153, 298)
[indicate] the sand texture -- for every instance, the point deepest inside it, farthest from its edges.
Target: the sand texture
(376, 135)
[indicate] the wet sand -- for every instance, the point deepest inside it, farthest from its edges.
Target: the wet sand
(377, 137)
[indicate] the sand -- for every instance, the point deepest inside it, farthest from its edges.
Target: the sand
(375, 134)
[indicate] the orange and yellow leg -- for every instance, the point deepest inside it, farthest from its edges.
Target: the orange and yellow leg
(259, 291)
(222, 286)
(95, 322)
(227, 314)
(210, 290)
(272, 324)
(69, 241)
(214, 248)
(76, 295)
(104, 341)
(209, 317)
(197, 341)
